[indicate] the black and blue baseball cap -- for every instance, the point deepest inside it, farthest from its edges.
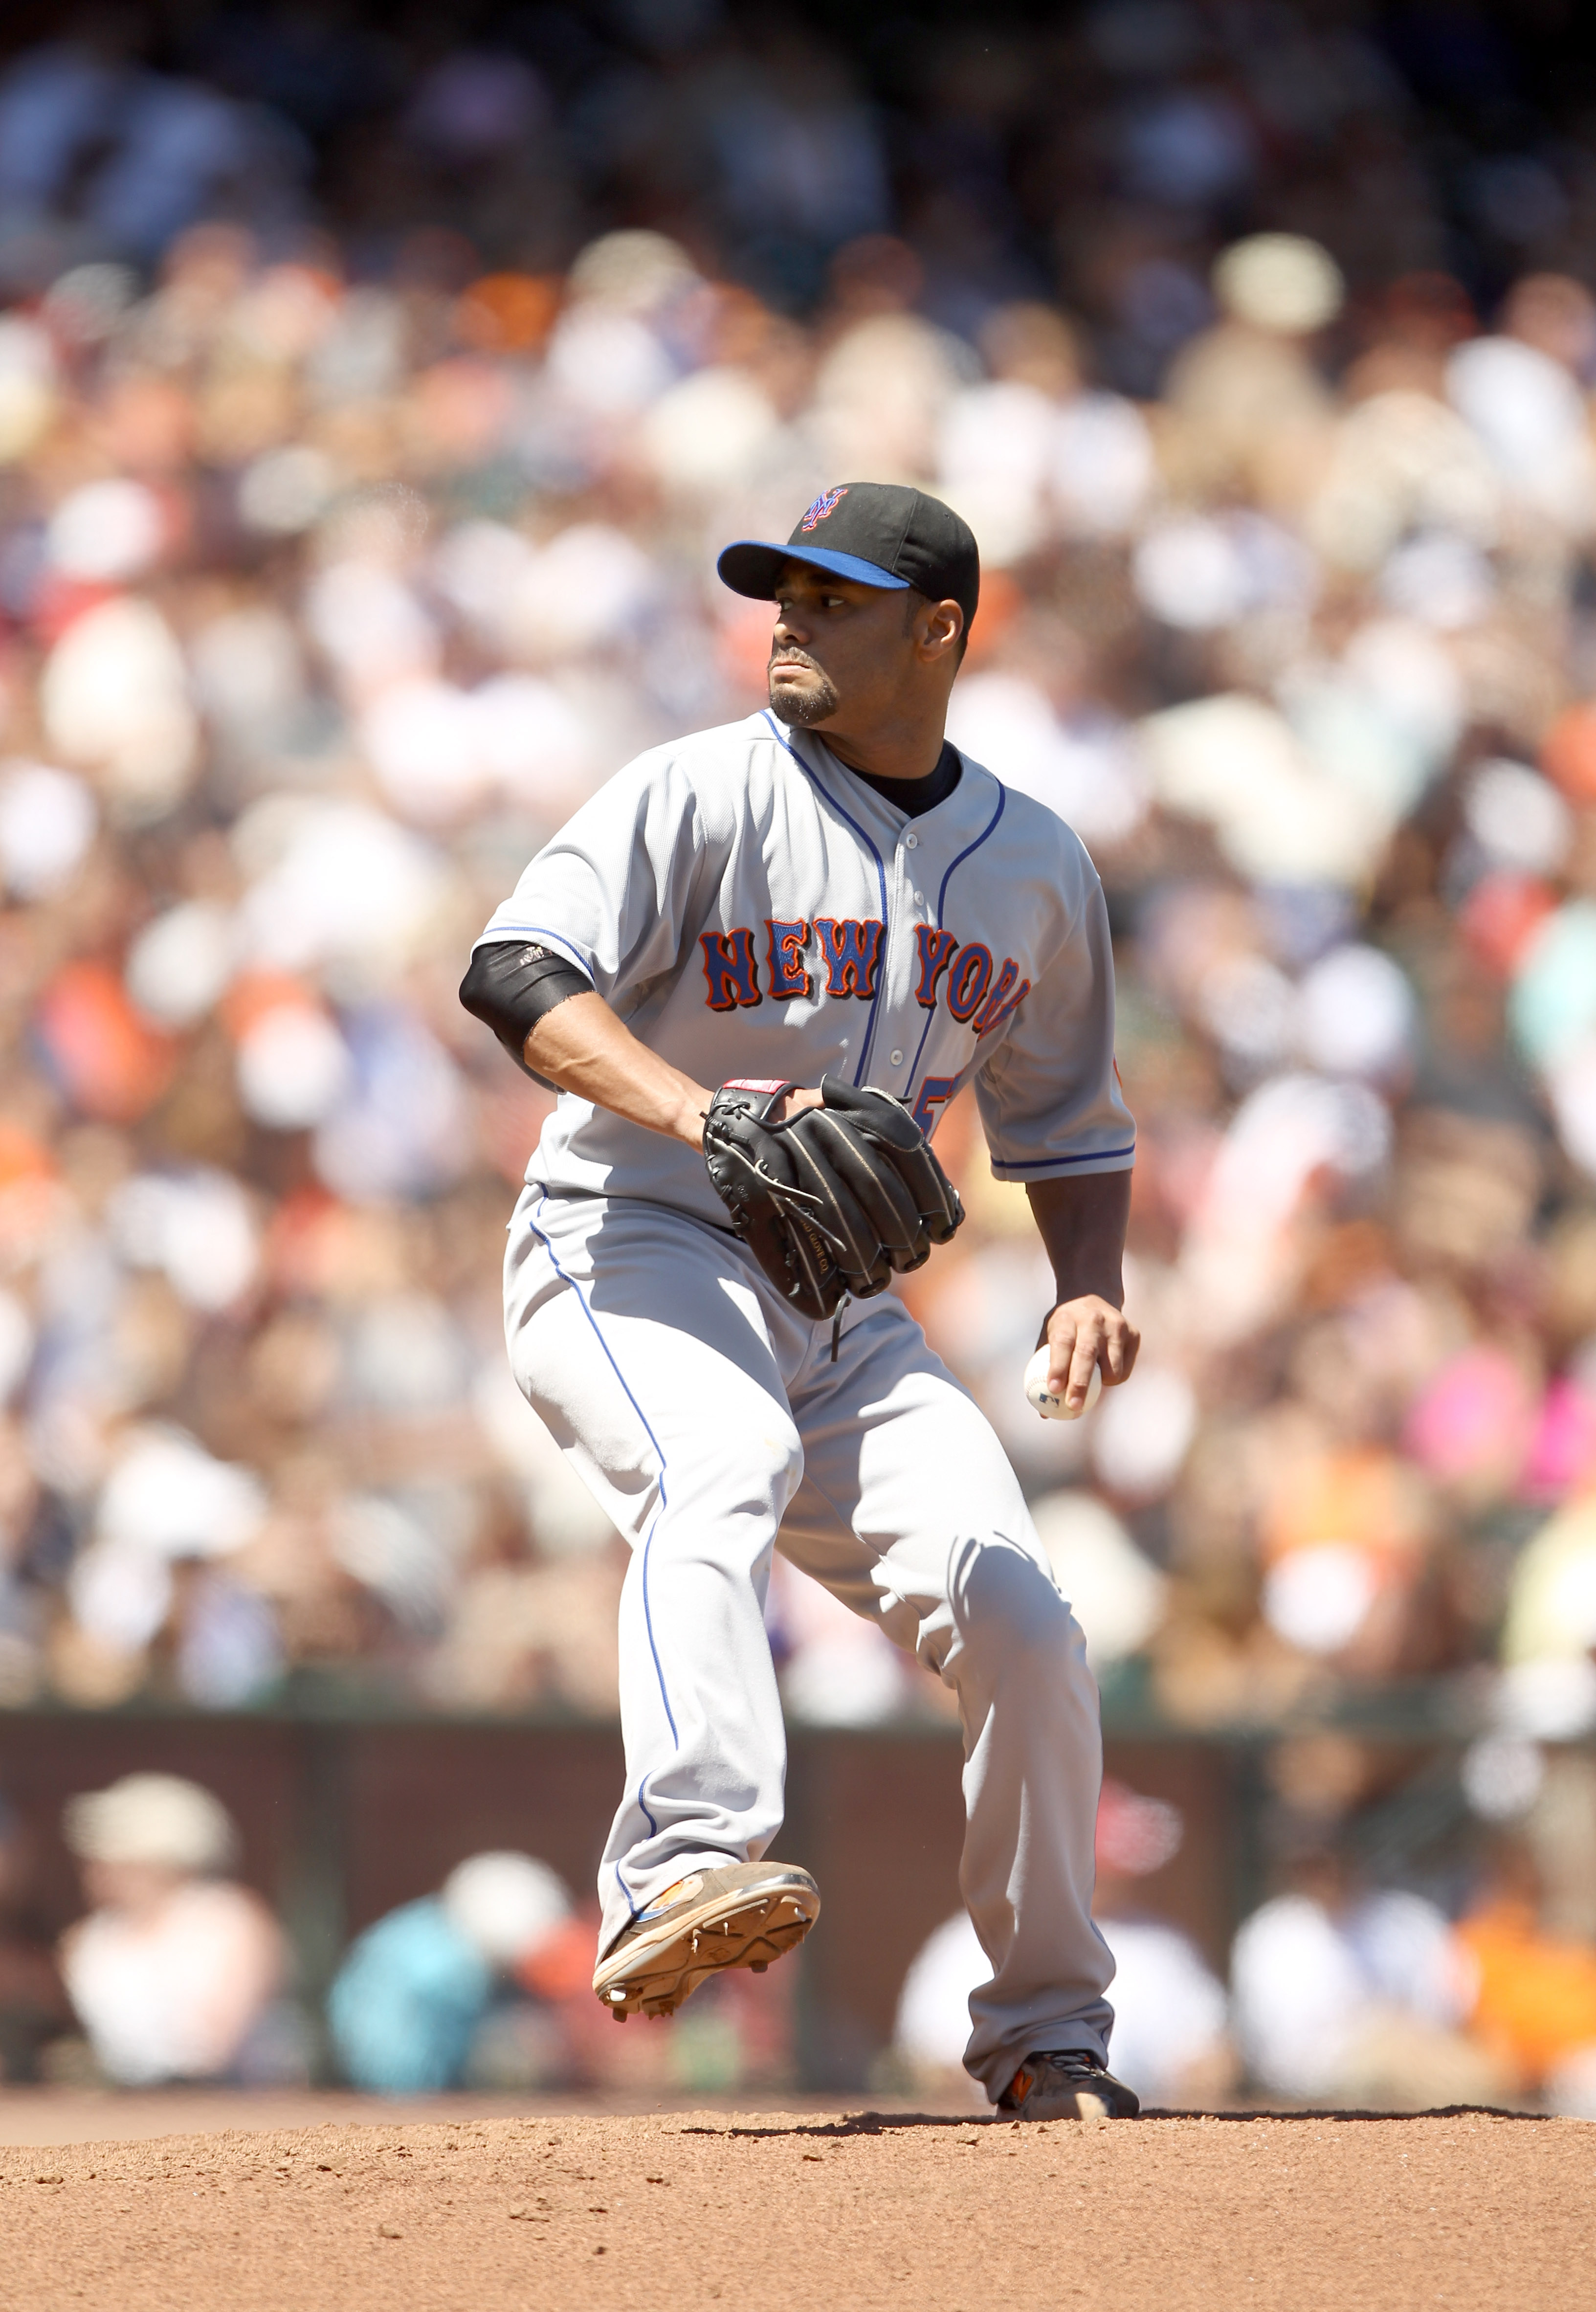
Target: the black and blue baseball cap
(876, 533)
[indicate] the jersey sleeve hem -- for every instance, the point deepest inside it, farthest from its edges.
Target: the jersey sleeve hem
(1042, 1167)
(497, 932)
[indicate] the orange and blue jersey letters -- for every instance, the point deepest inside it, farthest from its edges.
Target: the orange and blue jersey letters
(1005, 998)
(963, 977)
(730, 970)
(852, 951)
(969, 980)
(937, 947)
(788, 974)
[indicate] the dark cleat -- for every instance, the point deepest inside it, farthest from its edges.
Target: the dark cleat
(1067, 2083)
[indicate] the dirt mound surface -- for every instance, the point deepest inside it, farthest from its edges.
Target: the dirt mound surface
(1462, 2210)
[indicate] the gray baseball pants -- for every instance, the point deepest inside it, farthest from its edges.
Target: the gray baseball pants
(707, 1417)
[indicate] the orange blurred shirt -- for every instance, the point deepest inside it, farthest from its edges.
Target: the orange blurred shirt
(1536, 1998)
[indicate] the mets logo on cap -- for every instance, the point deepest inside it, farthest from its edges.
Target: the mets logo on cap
(823, 506)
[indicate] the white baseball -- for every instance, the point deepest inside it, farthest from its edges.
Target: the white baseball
(1051, 1407)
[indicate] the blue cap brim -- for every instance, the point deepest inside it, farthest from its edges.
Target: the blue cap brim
(752, 565)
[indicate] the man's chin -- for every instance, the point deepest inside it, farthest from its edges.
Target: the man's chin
(802, 708)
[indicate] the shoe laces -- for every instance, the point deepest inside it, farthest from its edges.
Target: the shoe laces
(1074, 2062)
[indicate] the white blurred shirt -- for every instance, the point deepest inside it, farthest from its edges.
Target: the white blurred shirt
(1307, 1986)
(1169, 2010)
(175, 1996)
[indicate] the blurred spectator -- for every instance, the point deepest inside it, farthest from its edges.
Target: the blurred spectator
(1343, 1995)
(175, 1972)
(1534, 2003)
(413, 2001)
(1170, 2039)
(1170, 2014)
(32, 2006)
(932, 2024)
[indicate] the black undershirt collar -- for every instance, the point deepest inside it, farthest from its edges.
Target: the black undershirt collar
(916, 797)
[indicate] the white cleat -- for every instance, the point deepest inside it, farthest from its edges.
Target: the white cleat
(745, 1915)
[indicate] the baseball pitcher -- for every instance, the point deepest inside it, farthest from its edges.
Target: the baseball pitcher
(757, 966)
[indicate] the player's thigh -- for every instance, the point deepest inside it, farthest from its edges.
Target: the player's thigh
(906, 1486)
(648, 1358)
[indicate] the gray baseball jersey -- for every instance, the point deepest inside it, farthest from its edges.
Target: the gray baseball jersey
(752, 909)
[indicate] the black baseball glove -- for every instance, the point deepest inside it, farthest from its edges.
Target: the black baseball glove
(835, 1199)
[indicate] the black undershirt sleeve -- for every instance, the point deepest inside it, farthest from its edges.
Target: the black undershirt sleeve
(511, 985)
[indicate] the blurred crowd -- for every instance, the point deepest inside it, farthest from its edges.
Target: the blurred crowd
(1343, 1990)
(177, 1972)
(372, 404)
(337, 565)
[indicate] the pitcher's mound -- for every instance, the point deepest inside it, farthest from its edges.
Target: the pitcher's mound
(670, 2214)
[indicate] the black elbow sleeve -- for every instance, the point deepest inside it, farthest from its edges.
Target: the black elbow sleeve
(512, 983)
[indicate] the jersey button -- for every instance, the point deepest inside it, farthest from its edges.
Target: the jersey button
(911, 842)
(897, 1059)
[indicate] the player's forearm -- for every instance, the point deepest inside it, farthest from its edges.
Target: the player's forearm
(1083, 1224)
(583, 1049)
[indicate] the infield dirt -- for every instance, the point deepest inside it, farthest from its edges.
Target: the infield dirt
(690, 2210)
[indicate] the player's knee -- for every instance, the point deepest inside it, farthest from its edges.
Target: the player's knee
(763, 1459)
(1009, 1603)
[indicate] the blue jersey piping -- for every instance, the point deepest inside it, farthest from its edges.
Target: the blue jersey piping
(941, 899)
(653, 1527)
(1046, 1163)
(881, 876)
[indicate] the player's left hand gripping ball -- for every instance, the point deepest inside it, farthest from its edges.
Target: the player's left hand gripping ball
(833, 1201)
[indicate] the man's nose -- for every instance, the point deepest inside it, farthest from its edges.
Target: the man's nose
(790, 625)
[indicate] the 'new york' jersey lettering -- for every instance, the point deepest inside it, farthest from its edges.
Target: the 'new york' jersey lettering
(789, 975)
(852, 951)
(936, 948)
(729, 969)
(1007, 996)
(970, 992)
(970, 979)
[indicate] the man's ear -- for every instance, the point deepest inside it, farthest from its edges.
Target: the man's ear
(942, 624)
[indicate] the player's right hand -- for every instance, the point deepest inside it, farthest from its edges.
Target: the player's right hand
(801, 1097)
(1083, 1333)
